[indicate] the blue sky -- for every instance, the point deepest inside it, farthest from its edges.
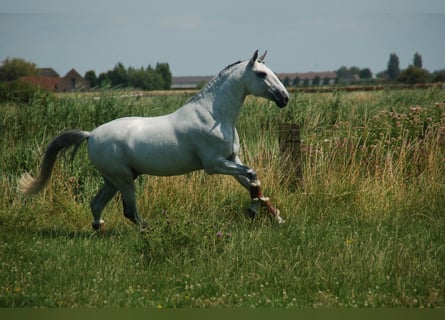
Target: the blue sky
(200, 37)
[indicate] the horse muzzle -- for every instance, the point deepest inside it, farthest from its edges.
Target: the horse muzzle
(281, 98)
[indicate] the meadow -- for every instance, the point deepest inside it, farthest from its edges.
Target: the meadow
(365, 228)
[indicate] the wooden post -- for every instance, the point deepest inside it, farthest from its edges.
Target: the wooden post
(290, 150)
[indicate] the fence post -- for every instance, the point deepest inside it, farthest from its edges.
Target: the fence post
(290, 151)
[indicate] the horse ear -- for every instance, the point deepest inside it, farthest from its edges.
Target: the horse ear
(261, 59)
(254, 57)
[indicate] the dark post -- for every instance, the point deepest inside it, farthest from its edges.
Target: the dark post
(290, 150)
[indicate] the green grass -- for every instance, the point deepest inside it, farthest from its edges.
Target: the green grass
(366, 229)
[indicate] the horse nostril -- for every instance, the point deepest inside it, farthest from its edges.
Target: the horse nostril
(285, 97)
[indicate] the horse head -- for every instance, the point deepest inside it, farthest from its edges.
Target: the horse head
(262, 82)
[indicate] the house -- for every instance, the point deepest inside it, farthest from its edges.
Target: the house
(48, 72)
(72, 81)
(308, 78)
(190, 82)
(50, 80)
(46, 83)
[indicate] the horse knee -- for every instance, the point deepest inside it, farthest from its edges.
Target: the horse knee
(252, 176)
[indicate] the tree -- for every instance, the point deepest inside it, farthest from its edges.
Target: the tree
(326, 81)
(15, 68)
(343, 72)
(316, 81)
(417, 60)
(92, 78)
(140, 78)
(348, 75)
(413, 75)
(393, 69)
(163, 69)
(286, 81)
(118, 76)
(439, 76)
(365, 73)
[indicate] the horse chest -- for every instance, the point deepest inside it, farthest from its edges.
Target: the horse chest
(221, 141)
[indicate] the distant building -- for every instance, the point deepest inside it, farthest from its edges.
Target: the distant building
(50, 80)
(308, 78)
(72, 81)
(288, 79)
(190, 82)
(48, 72)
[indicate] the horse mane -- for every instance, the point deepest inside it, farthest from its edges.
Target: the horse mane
(212, 82)
(228, 67)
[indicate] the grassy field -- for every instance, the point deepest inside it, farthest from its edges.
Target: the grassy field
(367, 229)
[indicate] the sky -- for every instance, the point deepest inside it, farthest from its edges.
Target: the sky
(201, 37)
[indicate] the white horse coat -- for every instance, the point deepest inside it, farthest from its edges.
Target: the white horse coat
(199, 135)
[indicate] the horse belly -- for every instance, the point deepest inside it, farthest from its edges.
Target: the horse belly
(164, 161)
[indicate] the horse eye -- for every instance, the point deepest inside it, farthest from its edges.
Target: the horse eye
(262, 74)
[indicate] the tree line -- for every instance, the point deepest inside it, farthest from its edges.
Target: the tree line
(160, 77)
(143, 78)
(415, 73)
(148, 78)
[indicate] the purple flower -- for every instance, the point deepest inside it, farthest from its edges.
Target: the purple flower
(219, 234)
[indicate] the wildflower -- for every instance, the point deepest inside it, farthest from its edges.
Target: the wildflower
(416, 109)
(219, 234)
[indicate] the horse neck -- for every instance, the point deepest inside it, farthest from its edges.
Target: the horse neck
(224, 96)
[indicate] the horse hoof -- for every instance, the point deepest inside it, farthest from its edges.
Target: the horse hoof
(98, 226)
(144, 226)
(254, 208)
(279, 219)
(251, 213)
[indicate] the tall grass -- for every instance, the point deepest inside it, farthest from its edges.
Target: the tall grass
(366, 228)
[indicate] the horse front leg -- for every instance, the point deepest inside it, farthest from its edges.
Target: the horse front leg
(258, 200)
(256, 194)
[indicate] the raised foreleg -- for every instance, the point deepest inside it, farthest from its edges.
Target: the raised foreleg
(259, 199)
(248, 179)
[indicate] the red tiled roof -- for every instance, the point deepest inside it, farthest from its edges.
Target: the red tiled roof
(48, 72)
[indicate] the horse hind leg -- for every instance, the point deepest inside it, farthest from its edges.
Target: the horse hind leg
(105, 194)
(129, 204)
(125, 184)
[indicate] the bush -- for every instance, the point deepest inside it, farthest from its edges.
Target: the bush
(413, 75)
(439, 76)
(19, 92)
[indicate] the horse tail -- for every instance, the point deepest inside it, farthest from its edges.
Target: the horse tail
(70, 138)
